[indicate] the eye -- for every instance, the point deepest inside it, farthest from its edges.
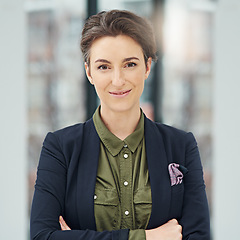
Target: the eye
(131, 64)
(103, 67)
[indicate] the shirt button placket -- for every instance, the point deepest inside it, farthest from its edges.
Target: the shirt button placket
(126, 187)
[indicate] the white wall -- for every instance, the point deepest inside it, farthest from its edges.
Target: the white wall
(13, 174)
(226, 167)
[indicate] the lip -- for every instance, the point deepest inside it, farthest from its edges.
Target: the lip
(120, 94)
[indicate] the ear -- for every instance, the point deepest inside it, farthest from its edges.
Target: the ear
(87, 70)
(148, 67)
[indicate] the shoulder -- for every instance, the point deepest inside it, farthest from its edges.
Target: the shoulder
(164, 129)
(66, 143)
(68, 136)
(180, 146)
(170, 135)
(73, 131)
(170, 130)
(69, 131)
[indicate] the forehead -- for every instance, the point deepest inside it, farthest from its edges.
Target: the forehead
(118, 47)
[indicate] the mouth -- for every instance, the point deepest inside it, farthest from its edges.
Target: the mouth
(120, 93)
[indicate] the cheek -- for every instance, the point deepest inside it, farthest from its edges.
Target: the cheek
(138, 77)
(97, 78)
(100, 82)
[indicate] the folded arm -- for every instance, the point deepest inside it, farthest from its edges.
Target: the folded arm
(195, 213)
(49, 197)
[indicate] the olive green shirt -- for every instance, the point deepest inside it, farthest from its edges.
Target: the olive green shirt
(122, 193)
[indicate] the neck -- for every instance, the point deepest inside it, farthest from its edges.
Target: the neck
(121, 124)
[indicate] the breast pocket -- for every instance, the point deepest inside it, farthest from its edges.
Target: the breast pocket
(106, 208)
(142, 207)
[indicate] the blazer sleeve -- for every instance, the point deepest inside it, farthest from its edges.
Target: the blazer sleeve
(49, 195)
(195, 213)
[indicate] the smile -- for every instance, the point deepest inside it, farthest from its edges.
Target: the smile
(120, 93)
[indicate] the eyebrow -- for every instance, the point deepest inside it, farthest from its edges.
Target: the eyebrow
(130, 58)
(124, 60)
(102, 60)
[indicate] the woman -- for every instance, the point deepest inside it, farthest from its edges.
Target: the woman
(119, 175)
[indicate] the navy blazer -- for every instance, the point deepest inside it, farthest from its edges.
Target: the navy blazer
(66, 179)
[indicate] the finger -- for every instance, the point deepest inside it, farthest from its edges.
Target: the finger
(63, 224)
(61, 221)
(174, 221)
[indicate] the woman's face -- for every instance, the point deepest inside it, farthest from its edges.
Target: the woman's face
(117, 70)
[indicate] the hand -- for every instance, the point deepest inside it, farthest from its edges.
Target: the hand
(168, 231)
(63, 224)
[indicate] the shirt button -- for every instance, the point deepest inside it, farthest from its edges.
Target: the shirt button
(95, 197)
(125, 183)
(125, 155)
(125, 146)
(126, 213)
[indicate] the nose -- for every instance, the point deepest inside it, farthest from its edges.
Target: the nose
(118, 78)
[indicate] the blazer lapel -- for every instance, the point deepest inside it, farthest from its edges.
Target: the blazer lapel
(159, 177)
(87, 172)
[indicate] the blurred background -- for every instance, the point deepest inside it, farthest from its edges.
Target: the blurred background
(194, 86)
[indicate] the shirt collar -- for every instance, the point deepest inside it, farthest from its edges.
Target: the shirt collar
(113, 144)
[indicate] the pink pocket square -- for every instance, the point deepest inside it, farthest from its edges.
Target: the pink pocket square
(176, 175)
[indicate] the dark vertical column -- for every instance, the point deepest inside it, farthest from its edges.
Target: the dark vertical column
(157, 88)
(91, 97)
(92, 7)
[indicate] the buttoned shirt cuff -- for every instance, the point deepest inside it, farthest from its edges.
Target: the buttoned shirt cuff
(138, 234)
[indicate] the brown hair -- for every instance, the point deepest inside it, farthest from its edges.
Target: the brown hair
(118, 22)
